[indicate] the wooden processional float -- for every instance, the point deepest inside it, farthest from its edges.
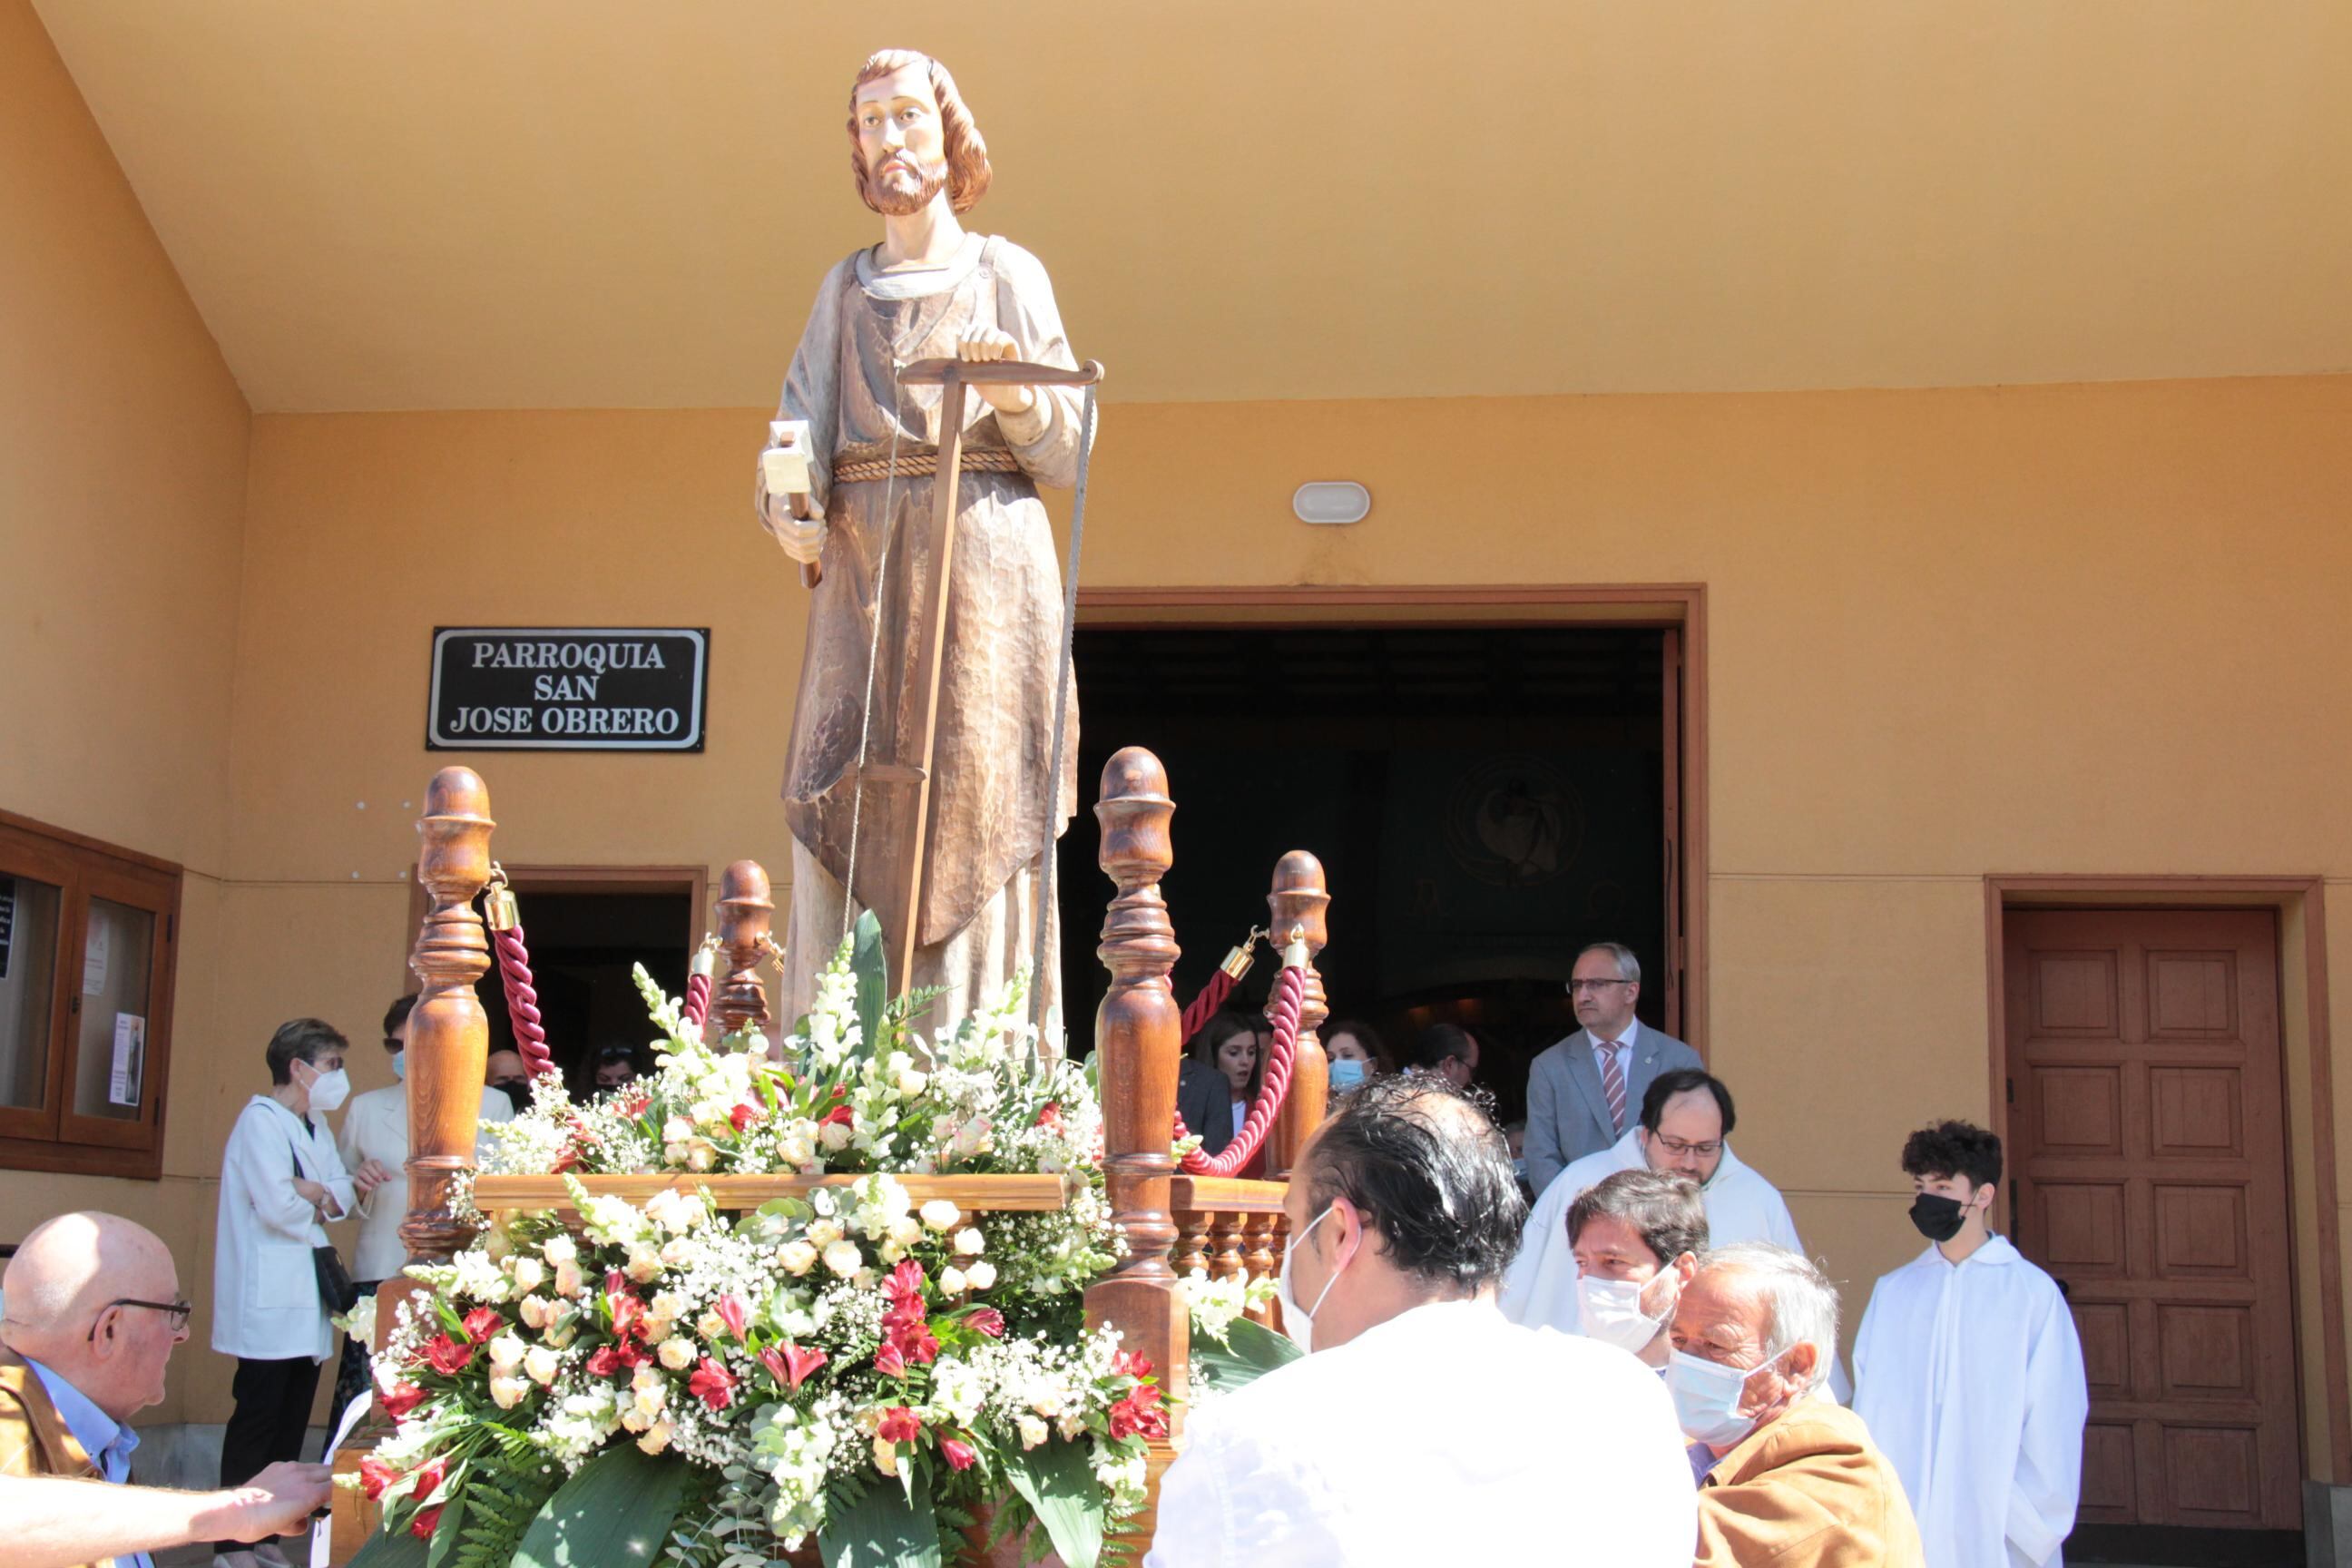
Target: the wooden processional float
(1173, 1223)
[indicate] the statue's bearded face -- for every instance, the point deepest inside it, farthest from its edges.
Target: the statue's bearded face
(900, 136)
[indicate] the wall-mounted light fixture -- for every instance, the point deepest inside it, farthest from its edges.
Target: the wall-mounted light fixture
(1331, 501)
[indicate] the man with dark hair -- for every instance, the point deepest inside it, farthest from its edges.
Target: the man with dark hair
(1403, 1215)
(1685, 1130)
(1448, 1051)
(1582, 1091)
(1968, 1370)
(1636, 1238)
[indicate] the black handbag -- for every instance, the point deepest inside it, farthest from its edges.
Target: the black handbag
(337, 1292)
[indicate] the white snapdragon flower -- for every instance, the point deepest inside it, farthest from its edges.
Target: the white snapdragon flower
(940, 1215)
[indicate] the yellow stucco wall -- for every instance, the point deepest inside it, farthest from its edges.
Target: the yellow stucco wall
(123, 472)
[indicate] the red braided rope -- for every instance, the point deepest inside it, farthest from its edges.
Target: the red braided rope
(698, 999)
(1289, 996)
(522, 1001)
(1204, 1006)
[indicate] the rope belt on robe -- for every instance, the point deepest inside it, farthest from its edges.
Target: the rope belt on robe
(924, 465)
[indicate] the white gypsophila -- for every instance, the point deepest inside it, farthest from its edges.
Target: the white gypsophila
(470, 1276)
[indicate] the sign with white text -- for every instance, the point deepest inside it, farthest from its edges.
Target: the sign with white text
(568, 689)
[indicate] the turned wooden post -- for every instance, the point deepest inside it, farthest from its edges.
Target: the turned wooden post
(448, 1035)
(1137, 1042)
(746, 912)
(1298, 903)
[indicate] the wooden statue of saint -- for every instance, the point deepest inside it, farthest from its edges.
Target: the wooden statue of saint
(929, 291)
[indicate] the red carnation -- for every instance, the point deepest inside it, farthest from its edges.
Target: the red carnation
(793, 1364)
(426, 1522)
(482, 1325)
(890, 1361)
(402, 1398)
(713, 1384)
(732, 1312)
(899, 1426)
(958, 1454)
(376, 1477)
(448, 1356)
(990, 1321)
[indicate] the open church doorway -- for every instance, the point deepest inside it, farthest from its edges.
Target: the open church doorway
(1486, 799)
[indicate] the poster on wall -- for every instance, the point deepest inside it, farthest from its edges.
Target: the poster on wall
(123, 1083)
(94, 954)
(547, 689)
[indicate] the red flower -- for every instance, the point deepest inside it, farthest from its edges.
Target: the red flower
(1139, 1413)
(569, 1160)
(429, 1477)
(426, 1522)
(839, 1116)
(375, 1476)
(905, 1282)
(732, 1312)
(628, 1316)
(899, 1426)
(1051, 1116)
(482, 1325)
(636, 1104)
(616, 1283)
(793, 1364)
(745, 1114)
(958, 1456)
(890, 1361)
(990, 1321)
(606, 1362)
(713, 1384)
(1131, 1364)
(448, 1356)
(919, 1344)
(404, 1398)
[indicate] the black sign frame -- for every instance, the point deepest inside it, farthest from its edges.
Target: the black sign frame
(503, 703)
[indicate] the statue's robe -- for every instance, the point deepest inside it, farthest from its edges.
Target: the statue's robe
(997, 805)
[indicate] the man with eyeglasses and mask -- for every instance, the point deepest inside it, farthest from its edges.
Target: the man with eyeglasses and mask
(1968, 1370)
(93, 1313)
(1402, 1213)
(1581, 1092)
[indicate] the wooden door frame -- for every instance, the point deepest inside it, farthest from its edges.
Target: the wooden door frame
(2286, 898)
(1680, 607)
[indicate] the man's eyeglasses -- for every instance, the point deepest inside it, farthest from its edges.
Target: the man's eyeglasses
(1576, 986)
(178, 1310)
(1676, 1146)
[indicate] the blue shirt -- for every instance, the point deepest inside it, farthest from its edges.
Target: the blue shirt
(102, 1438)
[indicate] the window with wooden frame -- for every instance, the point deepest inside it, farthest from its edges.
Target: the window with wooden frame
(87, 937)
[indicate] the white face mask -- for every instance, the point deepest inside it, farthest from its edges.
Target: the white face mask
(1708, 1396)
(1611, 1311)
(330, 1089)
(1298, 1321)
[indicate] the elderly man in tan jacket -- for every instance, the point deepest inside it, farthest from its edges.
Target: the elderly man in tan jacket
(1786, 1477)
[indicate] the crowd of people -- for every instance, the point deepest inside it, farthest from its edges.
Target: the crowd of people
(1703, 1416)
(1645, 1346)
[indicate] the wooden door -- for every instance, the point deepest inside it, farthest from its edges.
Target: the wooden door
(2148, 1163)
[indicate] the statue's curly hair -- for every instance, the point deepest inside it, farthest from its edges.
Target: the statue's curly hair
(967, 152)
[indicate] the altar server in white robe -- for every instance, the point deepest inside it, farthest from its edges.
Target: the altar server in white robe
(1687, 1118)
(1422, 1427)
(1969, 1372)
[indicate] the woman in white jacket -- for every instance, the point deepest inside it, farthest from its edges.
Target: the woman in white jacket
(280, 1180)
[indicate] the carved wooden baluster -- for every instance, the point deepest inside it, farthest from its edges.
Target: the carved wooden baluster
(1258, 1259)
(1191, 1241)
(1299, 902)
(1137, 1045)
(1278, 1238)
(1225, 1233)
(448, 1034)
(746, 912)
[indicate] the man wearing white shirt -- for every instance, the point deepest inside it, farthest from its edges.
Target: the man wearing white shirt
(1970, 1373)
(1422, 1427)
(1685, 1130)
(1581, 1092)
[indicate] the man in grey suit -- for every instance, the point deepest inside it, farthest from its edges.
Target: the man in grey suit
(1585, 1091)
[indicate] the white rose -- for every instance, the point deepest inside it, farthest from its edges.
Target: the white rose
(796, 1152)
(567, 1279)
(834, 1136)
(541, 1364)
(535, 1312)
(951, 1280)
(634, 1420)
(657, 1437)
(650, 1400)
(506, 1352)
(940, 1215)
(676, 1354)
(561, 1249)
(911, 1084)
(842, 1257)
(529, 1274)
(885, 1456)
(677, 1253)
(507, 1393)
(797, 1256)
(968, 1241)
(906, 1231)
(1048, 1402)
(666, 1304)
(979, 1273)
(710, 1326)
(825, 1232)
(1033, 1431)
(677, 1129)
(645, 1263)
(699, 1156)
(1072, 1423)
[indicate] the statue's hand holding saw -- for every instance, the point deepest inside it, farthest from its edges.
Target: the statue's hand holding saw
(979, 346)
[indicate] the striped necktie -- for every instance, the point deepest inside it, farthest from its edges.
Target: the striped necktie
(1613, 1083)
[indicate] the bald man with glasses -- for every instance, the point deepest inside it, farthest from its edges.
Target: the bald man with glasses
(1582, 1094)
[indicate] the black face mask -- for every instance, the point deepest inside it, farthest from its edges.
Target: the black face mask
(519, 1093)
(1939, 1218)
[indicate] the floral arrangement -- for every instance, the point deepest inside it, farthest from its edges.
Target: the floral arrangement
(892, 1381)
